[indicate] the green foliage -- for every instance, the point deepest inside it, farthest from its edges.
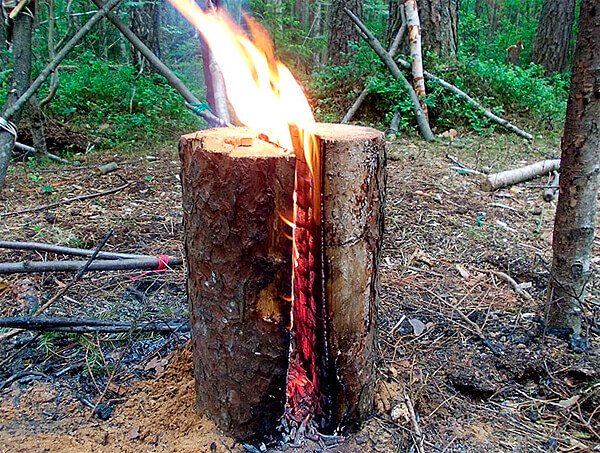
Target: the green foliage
(111, 102)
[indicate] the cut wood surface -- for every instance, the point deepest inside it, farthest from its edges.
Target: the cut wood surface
(239, 275)
(517, 175)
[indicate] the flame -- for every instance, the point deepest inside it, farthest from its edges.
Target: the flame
(262, 90)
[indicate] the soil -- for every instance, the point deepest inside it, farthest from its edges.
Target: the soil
(472, 355)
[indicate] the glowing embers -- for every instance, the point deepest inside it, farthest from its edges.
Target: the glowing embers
(308, 372)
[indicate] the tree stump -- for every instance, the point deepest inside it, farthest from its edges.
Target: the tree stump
(235, 190)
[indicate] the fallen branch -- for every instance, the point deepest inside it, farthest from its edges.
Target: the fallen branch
(59, 249)
(82, 325)
(155, 263)
(192, 101)
(396, 72)
(511, 281)
(517, 175)
(31, 149)
(461, 94)
(67, 201)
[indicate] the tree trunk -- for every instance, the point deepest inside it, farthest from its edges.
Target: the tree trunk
(21, 78)
(414, 38)
(145, 23)
(439, 25)
(580, 164)
(551, 44)
(394, 20)
(342, 32)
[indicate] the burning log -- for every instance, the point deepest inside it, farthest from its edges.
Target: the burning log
(240, 195)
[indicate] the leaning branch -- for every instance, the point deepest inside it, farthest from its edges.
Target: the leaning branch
(163, 69)
(396, 72)
(461, 94)
(517, 175)
(155, 263)
(31, 149)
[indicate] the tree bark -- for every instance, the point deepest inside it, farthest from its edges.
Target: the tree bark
(21, 78)
(551, 43)
(341, 31)
(239, 275)
(439, 25)
(144, 18)
(414, 38)
(574, 224)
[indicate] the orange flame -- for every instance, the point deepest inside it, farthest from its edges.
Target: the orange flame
(261, 89)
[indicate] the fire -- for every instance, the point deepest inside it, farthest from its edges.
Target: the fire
(266, 97)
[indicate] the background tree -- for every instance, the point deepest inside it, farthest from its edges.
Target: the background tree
(144, 18)
(553, 36)
(580, 165)
(439, 25)
(342, 32)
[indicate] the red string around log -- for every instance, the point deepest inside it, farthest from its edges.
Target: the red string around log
(163, 261)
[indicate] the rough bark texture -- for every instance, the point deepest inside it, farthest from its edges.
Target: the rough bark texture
(145, 23)
(353, 193)
(21, 77)
(551, 44)
(239, 272)
(439, 25)
(580, 164)
(394, 20)
(341, 31)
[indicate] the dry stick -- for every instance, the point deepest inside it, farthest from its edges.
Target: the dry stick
(64, 324)
(60, 56)
(461, 94)
(59, 249)
(59, 294)
(64, 202)
(415, 424)
(396, 72)
(163, 69)
(28, 267)
(363, 95)
(511, 281)
(31, 149)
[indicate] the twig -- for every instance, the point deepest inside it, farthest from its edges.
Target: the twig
(60, 293)
(64, 202)
(415, 424)
(80, 325)
(508, 279)
(58, 249)
(153, 263)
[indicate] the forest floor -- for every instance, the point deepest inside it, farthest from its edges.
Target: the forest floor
(472, 354)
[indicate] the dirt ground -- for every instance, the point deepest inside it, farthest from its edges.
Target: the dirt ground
(469, 350)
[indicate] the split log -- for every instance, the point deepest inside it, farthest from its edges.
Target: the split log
(239, 265)
(239, 275)
(517, 175)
